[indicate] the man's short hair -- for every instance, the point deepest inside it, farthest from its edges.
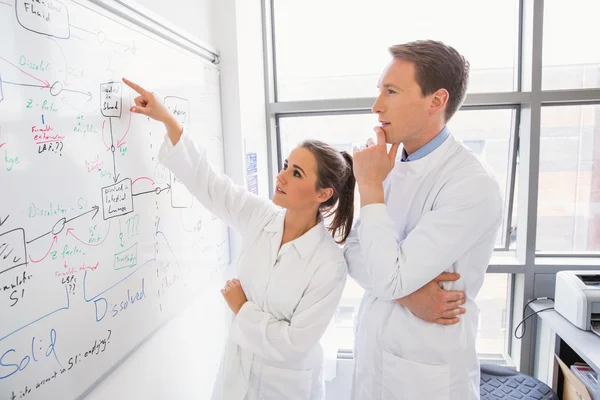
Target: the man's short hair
(437, 66)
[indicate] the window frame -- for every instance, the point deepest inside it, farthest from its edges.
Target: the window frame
(511, 162)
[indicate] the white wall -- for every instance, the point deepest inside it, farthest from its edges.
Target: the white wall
(238, 37)
(193, 16)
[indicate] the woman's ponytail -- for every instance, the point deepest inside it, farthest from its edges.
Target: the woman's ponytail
(344, 212)
(335, 170)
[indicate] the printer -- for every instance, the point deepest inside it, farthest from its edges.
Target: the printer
(577, 298)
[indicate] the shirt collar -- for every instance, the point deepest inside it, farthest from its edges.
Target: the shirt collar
(428, 148)
(275, 224)
(306, 244)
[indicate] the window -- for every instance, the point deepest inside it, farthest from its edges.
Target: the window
(569, 181)
(330, 49)
(570, 58)
(493, 303)
(329, 56)
(487, 132)
(346, 314)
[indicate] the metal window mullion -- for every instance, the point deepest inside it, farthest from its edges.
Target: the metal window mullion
(273, 48)
(364, 104)
(472, 101)
(570, 97)
(553, 269)
(270, 89)
(530, 148)
(504, 269)
(513, 168)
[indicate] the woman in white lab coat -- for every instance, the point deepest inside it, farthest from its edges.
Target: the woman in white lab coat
(291, 270)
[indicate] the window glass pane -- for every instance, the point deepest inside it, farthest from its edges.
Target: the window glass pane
(338, 48)
(570, 56)
(569, 180)
(492, 301)
(486, 132)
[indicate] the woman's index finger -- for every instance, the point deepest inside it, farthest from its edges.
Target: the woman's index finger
(135, 87)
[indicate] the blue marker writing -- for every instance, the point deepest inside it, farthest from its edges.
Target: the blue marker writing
(14, 367)
(52, 346)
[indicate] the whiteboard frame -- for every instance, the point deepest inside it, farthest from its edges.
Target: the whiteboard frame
(152, 22)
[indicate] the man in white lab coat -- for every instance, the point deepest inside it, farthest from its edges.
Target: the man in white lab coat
(436, 207)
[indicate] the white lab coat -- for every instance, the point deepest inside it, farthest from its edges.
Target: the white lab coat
(442, 213)
(273, 349)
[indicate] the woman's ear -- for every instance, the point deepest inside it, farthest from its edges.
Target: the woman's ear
(324, 195)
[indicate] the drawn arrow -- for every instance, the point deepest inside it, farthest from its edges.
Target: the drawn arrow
(121, 141)
(63, 99)
(194, 228)
(45, 86)
(54, 240)
(113, 149)
(94, 209)
(46, 83)
(103, 141)
(70, 232)
(120, 44)
(48, 86)
(143, 178)
(88, 94)
(84, 30)
(158, 190)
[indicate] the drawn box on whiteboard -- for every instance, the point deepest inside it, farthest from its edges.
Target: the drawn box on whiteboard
(179, 107)
(117, 199)
(180, 195)
(110, 99)
(127, 258)
(13, 252)
(48, 17)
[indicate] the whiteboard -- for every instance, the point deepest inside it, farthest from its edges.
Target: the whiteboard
(100, 245)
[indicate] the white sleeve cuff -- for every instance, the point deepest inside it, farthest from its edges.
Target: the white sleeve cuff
(373, 213)
(237, 327)
(166, 149)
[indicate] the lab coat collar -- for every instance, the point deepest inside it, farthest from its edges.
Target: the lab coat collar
(428, 148)
(305, 244)
(425, 163)
(276, 223)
